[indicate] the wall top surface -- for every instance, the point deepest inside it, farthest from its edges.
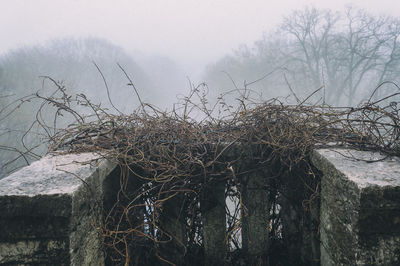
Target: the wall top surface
(53, 174)
(357, 166)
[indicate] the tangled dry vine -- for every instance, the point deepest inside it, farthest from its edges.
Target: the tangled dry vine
(176, 156)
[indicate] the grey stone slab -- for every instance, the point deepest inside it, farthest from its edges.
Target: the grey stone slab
(52, 175)
(360, 207)
(48, 211)
(358, 166)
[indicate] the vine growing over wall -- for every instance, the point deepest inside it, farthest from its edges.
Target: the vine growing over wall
(172, 158)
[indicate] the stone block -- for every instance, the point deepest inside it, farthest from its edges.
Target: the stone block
(48, 211)
(360, 207)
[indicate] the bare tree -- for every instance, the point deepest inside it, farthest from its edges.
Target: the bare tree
(344, 53)
(348, 53)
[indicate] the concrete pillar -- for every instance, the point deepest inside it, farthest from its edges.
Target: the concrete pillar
(299, 200)
(360, 208)
(255, 226)
(48, 211)
(213, 216)
(173, 225)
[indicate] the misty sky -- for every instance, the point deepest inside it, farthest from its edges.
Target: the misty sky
(192, 32)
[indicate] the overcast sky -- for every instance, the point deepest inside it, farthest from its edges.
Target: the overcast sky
(192, 32)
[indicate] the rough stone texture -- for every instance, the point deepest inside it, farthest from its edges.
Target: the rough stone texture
(174, 226)
(254, 187)
(300, 215)
(360, 208)
(255, 220)
(48, 211)
(214, 223)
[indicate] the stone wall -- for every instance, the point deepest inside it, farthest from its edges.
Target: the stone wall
(360, 208)
(48, 212)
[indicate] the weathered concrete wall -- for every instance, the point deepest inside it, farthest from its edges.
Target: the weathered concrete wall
(48, 211)
(360, 208)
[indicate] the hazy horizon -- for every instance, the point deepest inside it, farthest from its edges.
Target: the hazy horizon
(191, 33)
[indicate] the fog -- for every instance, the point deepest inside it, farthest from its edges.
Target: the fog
(167, 46)
(193, 33)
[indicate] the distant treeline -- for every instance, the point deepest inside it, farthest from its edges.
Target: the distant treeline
(72, 62)
(348, 54)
